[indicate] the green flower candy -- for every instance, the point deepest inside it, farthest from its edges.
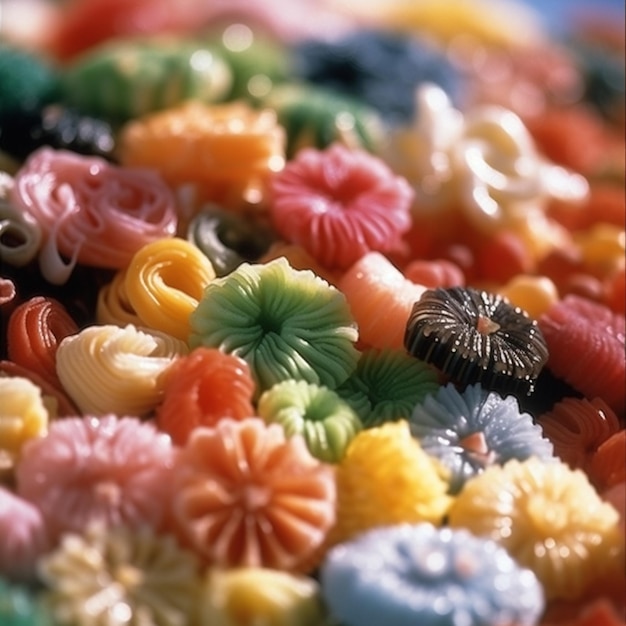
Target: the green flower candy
(285, 323)
(326, 422)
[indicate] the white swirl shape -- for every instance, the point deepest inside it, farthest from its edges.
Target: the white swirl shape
(112, 369)
(20, 235)
(485, 160)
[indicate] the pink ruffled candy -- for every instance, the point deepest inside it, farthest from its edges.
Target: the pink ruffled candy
(23, 537)
(340, 204)
(91, 212)
(109, 470)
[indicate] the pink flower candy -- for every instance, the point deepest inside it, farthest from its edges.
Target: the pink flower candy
(23, 537)
(339, 204)
(91, 212)
(109, 470)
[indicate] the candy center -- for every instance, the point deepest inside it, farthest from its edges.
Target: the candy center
(486, 326)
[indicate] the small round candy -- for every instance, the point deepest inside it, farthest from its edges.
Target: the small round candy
(418, 574)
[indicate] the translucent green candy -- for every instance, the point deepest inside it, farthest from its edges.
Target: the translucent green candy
(20, 607)
(124, 79)
(285, 323)
(387, 385)
(326, 422)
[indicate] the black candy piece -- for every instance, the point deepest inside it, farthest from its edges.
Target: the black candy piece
(474, 336)
(62, 128)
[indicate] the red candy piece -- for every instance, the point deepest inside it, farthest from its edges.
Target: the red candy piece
(35, 329)
(435, 273)
(340, 204)
(200, 389)
(87, 23)
(501, 257)
(586, 345)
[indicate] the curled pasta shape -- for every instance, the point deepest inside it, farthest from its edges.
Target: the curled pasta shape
(108, 369)
(90, 211)
(484, 159)
(113, 305)
(20, 235)
(35, 329)
(23, 415)
(164, 283)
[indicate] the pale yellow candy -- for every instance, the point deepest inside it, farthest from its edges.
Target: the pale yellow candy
(119, 577)
(108, 369)
(549, 518)
(259, 596)
(23, 415)
(534, 294)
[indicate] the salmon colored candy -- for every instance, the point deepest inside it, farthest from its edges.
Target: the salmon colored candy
(608, 466)
(435, 273)
(578, 428)
(200, 389)
(247, 495)
(380, 299)
(35, 330)
(606, 204)
(503, 256)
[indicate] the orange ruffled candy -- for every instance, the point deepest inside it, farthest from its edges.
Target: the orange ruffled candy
(200, 389)
(246, 495)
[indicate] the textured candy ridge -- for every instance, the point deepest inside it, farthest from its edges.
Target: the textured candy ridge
(476, 336)
(339, 204)
(125, 481)
(327, 423)
(245, 495)
(533, 509)
(284, 323)
(386, 385)
(597, 367)
(104, 577)
(472, 430)
(419, 574)
(376, 462)
(201, 388)
(108, 369)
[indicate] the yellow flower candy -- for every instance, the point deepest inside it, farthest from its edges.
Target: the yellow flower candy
(386, 478)
(549, 518)
(242, 596)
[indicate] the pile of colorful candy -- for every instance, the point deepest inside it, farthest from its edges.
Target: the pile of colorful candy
(313, 314)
